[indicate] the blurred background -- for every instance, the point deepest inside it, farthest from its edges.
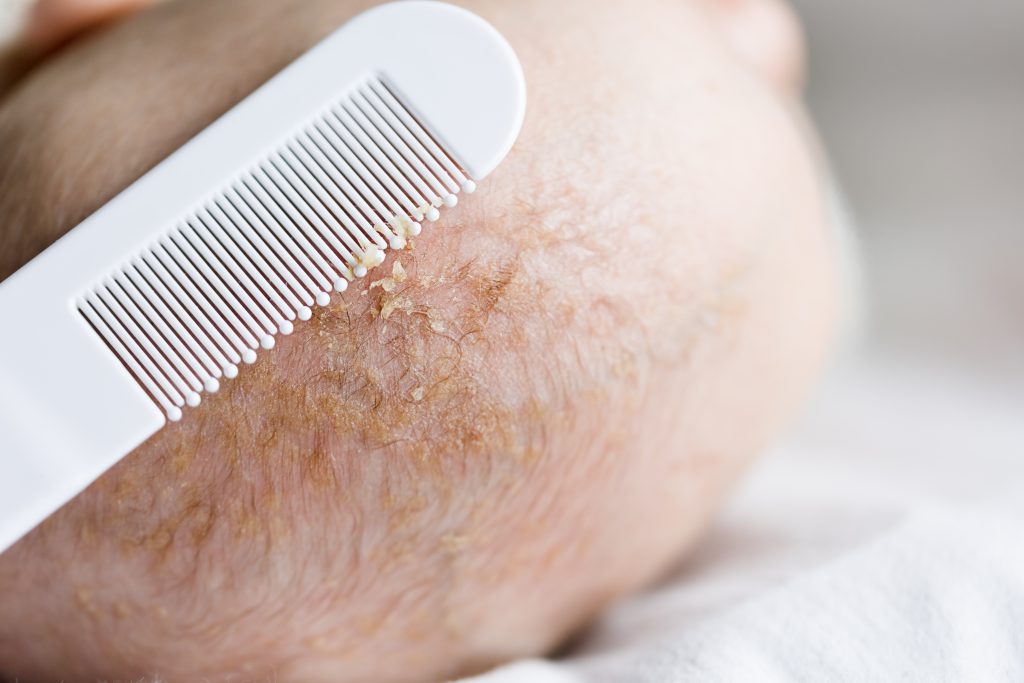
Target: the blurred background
(922, 107)
(10, 15)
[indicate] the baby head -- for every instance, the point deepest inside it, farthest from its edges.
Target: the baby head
(530, 413)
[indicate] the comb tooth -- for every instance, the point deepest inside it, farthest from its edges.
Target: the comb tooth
(237, 350)
(375, 211)
(178, 353)
(268, 249)
(284, 247)
(211, 287)
(332, 218)
(234, 293)
(372, 141)
(151, 343)
(182, 324)
(294, 197)
(254, 285)
(285, 212)
(338, 145)
(155, 345)
(123, 327)
(315, 189)
(341, 189)
(295, 244)
(412, 150)
(421, 134)
(218, 345)
(88, 309)
(326, 209)
(283, 297)
(392, 146)
(370, 168)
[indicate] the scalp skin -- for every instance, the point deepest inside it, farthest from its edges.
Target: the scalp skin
(462, 465)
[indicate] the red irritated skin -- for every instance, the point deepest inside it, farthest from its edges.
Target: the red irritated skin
(532, 412)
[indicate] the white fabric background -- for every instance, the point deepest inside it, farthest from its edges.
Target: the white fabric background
(882, 542)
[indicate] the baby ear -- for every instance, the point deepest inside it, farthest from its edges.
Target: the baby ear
(766, 34)
(51, 23)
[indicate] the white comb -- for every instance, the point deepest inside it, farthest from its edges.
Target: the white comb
(161, 294)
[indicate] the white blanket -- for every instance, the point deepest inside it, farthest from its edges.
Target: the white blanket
(884, 541)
